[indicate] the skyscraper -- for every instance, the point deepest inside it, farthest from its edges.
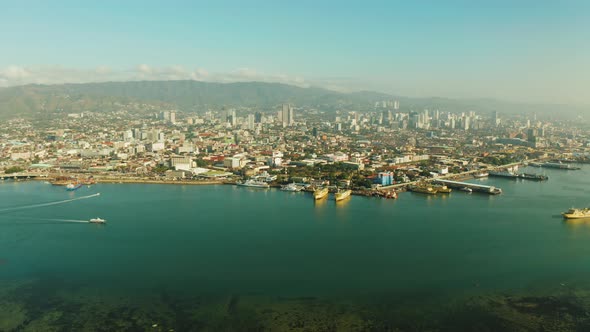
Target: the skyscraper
(287, 115)
(250, 121)
(231, 117)
(495, 118)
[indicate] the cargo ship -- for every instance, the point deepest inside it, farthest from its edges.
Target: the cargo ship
(342, 194)
(524, 176)
(577, 213)
(503, 174)
(320, 193)
(534, 177)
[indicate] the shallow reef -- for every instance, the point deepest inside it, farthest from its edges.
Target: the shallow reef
(37, 305)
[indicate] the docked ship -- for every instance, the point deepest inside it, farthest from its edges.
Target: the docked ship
(253, 184)
(443, 189)
(320, 193)
(534, 177)
(291, 187)
(577, 213)
(97, 221)
(480, 175)
(503, 174)
(560, 166)
(423, 189)
(342, 194)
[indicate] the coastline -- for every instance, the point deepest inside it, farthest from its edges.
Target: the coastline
(141, 181)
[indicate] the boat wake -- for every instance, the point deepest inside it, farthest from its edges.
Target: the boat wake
(68, 220)
(54, 220)
(25, 207)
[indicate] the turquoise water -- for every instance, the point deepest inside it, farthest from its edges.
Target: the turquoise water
(195, 240)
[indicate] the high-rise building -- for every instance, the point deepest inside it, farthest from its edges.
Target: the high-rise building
(396, 105)
(496, 118)
(172, 117)
(231, 117)
(287, 115)
(251, 121)
(258, 117)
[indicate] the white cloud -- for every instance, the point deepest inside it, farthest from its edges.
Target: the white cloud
(21, 75)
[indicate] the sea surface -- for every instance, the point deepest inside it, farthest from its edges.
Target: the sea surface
(221, 257)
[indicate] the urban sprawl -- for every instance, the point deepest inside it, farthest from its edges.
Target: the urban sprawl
(384, 147)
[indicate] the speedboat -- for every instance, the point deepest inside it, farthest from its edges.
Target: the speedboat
(72, 186)
(97, 221)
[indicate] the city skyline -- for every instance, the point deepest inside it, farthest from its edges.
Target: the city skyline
(522, 52)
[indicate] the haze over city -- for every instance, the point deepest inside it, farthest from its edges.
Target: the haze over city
(516, 51)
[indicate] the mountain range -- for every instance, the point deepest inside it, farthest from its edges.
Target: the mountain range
(199, 96)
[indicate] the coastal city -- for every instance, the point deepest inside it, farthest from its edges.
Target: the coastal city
(379, 151)
(304, 166)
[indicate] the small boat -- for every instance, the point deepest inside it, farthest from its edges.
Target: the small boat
(291, 187)
(72, 186)
(466, 189)
(97, 221)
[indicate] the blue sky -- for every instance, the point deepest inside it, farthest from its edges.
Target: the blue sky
(514, 50)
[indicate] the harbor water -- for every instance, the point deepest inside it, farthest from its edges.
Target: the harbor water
(223, 257)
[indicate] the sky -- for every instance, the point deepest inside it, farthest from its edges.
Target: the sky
(516, 50)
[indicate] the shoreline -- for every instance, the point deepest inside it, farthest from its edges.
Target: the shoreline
(140, 181)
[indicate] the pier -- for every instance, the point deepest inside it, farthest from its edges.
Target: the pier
(473, 186)
(19, 176)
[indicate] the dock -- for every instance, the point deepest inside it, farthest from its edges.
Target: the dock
(491, 190)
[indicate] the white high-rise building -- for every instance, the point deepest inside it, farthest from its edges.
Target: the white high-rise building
(250, 121)
(287, 115)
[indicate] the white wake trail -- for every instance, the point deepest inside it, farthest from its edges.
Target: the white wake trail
(47, 204)
(68, 220)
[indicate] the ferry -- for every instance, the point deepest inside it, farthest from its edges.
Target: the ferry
(320, 193)
(97, 221)
(576, 213)
(481, 175)
(466, 189)
(342, 194)
(253, 184)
